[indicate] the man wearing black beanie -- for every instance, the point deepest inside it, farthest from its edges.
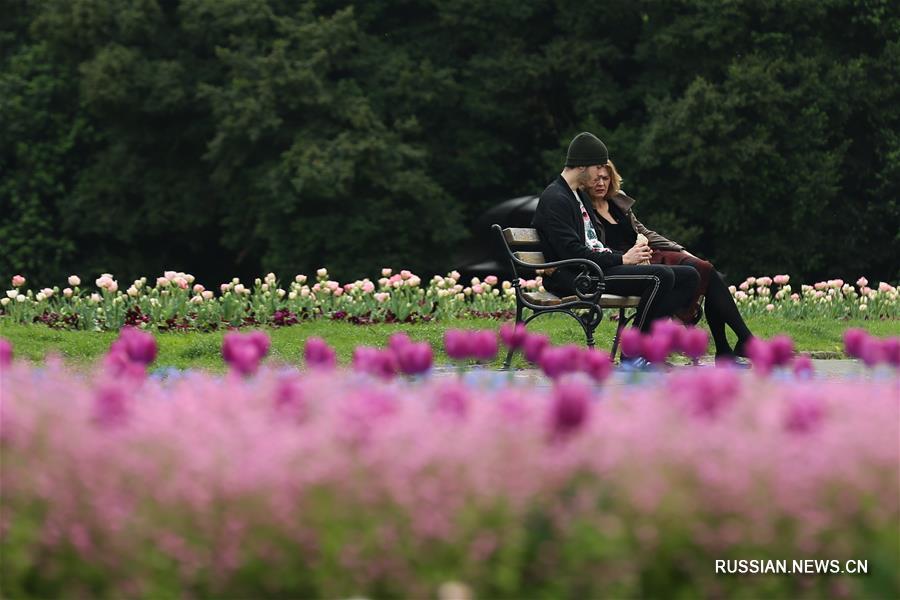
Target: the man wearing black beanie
(567, 224)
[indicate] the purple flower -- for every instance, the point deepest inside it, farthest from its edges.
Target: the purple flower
(631, 340)
(398, 340)
(889, 347)
(853, 342)
(139, 346)
(484, 345)
(457, 343)
(871, 351)
(380, 363)
(570, 409)
(513, 335)
(597, 364)
(534, 346)
(668, 332)
(782, 350)
(804, 414)
(415, 358)
(693, 341)
(243, 353)
(453, 399)
(760, 353)
(656, 346)
(705, 393)
(803, 366)
(318, 354)
(6, 353)
(261, 340)
(110, 405)
(558, 361)
(289, 397)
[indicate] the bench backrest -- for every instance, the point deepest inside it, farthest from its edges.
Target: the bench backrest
(524, 243)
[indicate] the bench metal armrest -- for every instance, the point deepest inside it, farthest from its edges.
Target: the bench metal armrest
(588, 286)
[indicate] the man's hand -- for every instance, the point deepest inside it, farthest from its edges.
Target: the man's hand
(639, 253)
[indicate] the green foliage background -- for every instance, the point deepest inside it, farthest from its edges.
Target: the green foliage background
(232, 137)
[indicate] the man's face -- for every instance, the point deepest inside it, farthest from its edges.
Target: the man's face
(589, 177)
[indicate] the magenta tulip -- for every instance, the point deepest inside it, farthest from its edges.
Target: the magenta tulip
(513, 335)
(318, 354)
(632, 342)
(570, 409)
(6, 353)
(534, 346)
(693, 341)
(853, 342)
(782, 347)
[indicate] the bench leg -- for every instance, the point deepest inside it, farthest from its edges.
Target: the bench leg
(623, 322)
(589, 322)
(509, 353)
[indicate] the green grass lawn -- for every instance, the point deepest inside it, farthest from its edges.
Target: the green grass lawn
(183, 350)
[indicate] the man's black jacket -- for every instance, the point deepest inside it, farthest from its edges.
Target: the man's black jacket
(561, 228)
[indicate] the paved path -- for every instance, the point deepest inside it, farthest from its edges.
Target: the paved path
(823, 369)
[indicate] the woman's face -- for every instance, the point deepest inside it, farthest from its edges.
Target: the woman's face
(601, 183)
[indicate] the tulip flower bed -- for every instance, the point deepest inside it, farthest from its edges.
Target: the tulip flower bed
(175, 302)
(381, 480)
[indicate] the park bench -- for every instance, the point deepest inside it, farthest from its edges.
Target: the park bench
(522, 248)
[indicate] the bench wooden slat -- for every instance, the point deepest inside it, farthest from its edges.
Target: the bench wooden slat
(606, 301)
(521, 236)
(532, 258)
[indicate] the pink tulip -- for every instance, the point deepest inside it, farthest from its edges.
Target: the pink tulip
(398, 340)
(597, 364)
(6, 352)
(669, 330)
(243, 353)
(656, 347)
(705, 393)
(139, 346)
(570, 409)
(556, 362)
(781, 279)
(110, 405)
(457, 344)
(853, 342)
(319, 355)
(18, 281)
(491, 280)
(513, 335)
(415, 358)
(453, 399)
(380, 363)
(290, 397)
(261, 340)
(872, 352)
(782, 347)
(804, 414)
(533, 346)
(760, 353)
(484, 345)
(632, 342)
(890, 348)
(694, 341)
(803, 366)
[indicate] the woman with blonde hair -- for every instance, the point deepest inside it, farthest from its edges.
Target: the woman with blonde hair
(620, 229)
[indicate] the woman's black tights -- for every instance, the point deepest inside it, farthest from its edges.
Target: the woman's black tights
(720, 311)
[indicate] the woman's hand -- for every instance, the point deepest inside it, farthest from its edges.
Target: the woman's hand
(639, 253)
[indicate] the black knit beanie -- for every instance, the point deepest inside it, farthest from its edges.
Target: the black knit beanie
(585, 150)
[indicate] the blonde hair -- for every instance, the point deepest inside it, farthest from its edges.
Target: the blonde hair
(615, 180)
